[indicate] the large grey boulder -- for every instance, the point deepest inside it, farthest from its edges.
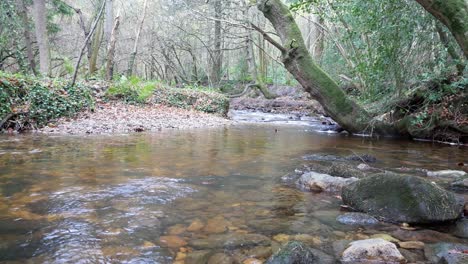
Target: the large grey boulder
(319, 182)
(399, 198)
(374, 250)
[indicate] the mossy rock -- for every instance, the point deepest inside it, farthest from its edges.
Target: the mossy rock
(296, 252)
(400, 198)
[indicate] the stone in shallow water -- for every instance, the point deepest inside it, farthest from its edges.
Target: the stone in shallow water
(172, 241)
(460, 184)
(357, 219)
(296, 252)
(400, 198)
(198, 257)
(461, 228)
(176, 229)
(450, 253)
(231, 240)
(374, 250)
(323, 183)
(216, 225)
(411, 245)
(386, 237)
(195, 226)
(221, 258)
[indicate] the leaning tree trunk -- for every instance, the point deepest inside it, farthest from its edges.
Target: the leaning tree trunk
(314, 80)
(454, 15)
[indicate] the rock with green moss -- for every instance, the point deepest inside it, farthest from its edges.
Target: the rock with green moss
(299, 253)
(400, 198)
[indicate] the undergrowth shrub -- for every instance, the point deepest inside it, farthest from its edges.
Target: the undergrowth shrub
(37, 102)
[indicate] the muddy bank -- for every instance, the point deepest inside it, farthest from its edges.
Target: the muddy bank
(281, 105)
(117, 117)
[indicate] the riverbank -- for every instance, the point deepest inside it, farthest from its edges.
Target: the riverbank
(118, 117)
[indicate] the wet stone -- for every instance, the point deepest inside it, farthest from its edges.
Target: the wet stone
(411, 245)
(198, 257)
(216, 225)
(357, 219)
(172, 241)
(221, 258)
(231, 240)
(460, 228)
(442, 252)
(370, 251)
(195, 226)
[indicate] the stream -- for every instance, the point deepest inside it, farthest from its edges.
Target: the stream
(143, 198)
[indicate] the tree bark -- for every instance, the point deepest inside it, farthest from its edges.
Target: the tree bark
(111, 50)
(40, 18)
(454, 15)
(22, 10)
(108, 20)
(217, 63)
(131, 62)
(91, 33)
(314, 80)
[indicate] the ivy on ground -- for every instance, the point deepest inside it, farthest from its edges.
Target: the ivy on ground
(36, 102)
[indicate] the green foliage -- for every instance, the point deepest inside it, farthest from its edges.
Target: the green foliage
(132, 90)
(39, 101)
(10, 31)
(202, 100)
(387, 44)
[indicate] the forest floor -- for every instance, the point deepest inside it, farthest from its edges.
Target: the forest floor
(118, 117)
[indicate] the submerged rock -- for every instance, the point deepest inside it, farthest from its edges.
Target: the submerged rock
(323, 183)
(357, 219)
(399, 198)
(461, 228)
(362, 158)
(198, 257)
(221, 258)
(330, 157)
(460, 184)
(299, 253)
(374, 250)
(231, 240)
(344, 170)
(446, 253)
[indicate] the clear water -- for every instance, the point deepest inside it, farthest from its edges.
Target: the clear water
(70, 199)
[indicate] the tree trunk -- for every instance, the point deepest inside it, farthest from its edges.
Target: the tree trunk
(40, 18)
(111, 50)
(94, 52)
(314, 80)
(454, 15)
(22, 10)
(108, 20)
(217, 63)
(90, 35)
(131, 62)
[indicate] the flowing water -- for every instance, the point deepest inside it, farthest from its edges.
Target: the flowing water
(94, 199)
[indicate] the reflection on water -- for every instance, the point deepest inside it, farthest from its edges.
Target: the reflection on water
(152, 197)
